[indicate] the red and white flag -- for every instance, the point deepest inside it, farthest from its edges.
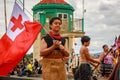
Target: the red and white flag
(17, 40)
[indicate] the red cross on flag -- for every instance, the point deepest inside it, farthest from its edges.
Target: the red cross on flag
(17, 40)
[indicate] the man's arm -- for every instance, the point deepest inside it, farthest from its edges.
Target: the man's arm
(101, 57)
(44, 50)
(64, 50)
(93, 64)
(87, 54)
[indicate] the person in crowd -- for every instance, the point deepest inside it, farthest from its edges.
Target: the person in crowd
(23, 69)
(29, 68)
(74, 64)
(84, 71)
(53, 51)
(35, 65)
(106, 58)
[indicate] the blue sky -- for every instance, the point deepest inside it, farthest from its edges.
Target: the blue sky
(102, 20)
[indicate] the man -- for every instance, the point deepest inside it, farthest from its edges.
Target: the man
(54, 52)
(84, 72)
(36, 64)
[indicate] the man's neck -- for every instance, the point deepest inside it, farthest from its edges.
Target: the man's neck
(84, 45)
(55, 32)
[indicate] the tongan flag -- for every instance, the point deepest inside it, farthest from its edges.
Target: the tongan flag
(17, 40)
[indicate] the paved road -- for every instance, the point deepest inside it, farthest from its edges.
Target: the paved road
(26, 78)
(40, 78)
(31, 78)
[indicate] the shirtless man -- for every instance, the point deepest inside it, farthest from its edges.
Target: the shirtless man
(85, 72)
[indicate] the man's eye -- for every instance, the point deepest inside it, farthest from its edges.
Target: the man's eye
(57, 23)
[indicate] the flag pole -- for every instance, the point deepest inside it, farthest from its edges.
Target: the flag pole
(5, 15)
(23, 11)
(23, 5)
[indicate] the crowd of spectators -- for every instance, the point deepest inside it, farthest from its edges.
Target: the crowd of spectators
(27, 68)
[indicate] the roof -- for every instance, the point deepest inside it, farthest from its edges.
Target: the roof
(52, 2)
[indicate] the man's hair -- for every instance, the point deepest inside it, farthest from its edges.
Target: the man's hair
(85, 39)
(52, 20)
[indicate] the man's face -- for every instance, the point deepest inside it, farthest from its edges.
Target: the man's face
(56, 25)
(87, 43)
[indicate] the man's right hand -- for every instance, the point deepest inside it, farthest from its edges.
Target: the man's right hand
(56, 43)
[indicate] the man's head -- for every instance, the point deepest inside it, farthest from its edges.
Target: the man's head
(85, 40)
(55, 23)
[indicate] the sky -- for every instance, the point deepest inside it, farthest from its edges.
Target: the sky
(102, 20)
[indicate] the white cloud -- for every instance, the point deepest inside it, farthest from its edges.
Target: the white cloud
(102, 22)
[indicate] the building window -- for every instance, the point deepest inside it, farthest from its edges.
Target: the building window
(62, 15)
(65, 16)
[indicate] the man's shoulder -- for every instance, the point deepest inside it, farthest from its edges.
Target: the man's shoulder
(83, 48)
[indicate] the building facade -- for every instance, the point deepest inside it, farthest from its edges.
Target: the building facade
(45, 10)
